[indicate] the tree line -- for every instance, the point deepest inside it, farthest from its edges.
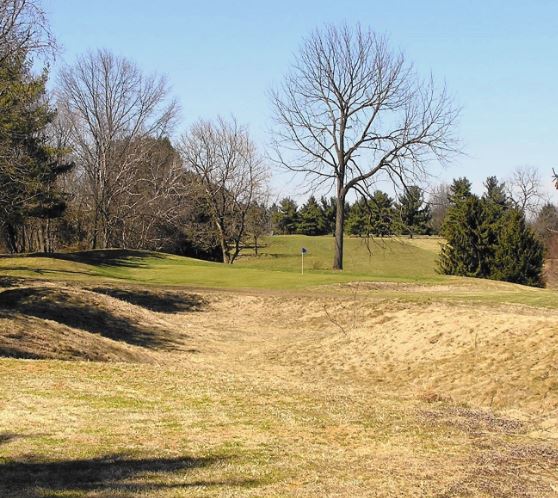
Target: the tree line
(501, 234)
(93, 163)
(379, 215)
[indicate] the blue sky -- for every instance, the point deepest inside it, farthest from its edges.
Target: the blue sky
(498, 59)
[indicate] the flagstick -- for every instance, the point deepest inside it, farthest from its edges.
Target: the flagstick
(302, 262)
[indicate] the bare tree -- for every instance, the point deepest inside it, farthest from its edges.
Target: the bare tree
(438, 200)
(351, 109)
(24, 29)
(152, 199)
(230, 173)
(525, 190)
(111, 109)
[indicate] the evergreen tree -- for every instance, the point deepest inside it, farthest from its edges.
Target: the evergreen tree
(381, 214)
(464, 251)
(519, 255)
(494, 203)
(459, 189)
(329, 211)
(29, 166)
(374, 216)
(358, 218)
(414, 214)
(495, 193)
(286, 217)
(311, 218)
(488, 238)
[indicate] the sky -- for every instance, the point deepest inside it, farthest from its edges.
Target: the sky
(498, 60)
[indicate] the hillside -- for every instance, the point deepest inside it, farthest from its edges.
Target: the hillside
(278, 265)
(124, 374)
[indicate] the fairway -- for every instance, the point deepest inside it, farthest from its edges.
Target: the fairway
(377, 263)
(388, 258)
(277, 266)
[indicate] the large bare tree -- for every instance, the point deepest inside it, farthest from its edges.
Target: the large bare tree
(351, 109)
(231, 175)
(113, 111)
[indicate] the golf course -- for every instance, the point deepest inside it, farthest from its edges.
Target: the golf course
(133, 373)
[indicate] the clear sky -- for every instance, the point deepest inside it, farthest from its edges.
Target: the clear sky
(498, 58)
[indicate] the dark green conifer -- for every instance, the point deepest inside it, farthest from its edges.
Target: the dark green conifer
(414, 214)
(311, 218)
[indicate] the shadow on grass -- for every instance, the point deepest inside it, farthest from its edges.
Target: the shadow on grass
(15, 352)
(160, 301)
(6, 437)
(65, 308)
(108, 257)
(111, 475)
(9, 281)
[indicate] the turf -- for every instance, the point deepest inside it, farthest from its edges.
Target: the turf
(278, 268)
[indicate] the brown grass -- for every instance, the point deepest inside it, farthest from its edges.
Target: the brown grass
(221, 394)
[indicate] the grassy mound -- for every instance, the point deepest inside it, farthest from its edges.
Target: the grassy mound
(287, 395)
(49, 321)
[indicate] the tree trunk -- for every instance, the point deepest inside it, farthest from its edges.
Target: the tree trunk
(339, 227)
(223, 243)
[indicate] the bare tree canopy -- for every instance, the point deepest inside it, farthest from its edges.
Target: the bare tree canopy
(111, 110)
(438, 200)
(24, 29)
(231, 175)
(525, 189)
(350, 108)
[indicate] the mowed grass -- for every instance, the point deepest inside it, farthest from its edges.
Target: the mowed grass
(376, 258)
(278, 268)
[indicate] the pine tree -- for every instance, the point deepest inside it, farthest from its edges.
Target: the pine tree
(329, 210)
(488, 238)
(374, 216)
(495, 203)
(286, 217)
(358, 218)
(311, 218)
(519, 254)
(414, 214)
(381, 214)
(464, 251)
(29, 166)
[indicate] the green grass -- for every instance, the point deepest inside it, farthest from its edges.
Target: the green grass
(388, 259)
(278, 267)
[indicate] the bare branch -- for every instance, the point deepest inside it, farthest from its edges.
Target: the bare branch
(351, 109)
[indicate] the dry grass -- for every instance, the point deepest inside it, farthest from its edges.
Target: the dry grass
(262, 394)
